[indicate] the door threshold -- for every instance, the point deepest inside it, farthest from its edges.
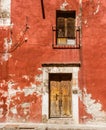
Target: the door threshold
(61, 120)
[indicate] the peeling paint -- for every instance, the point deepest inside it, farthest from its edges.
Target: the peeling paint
(3, 99)
(13, 110)
(39, 78)
(25, 77)
(6, 56)
(25, 105)
(64, 4)
(92, 8)
(29, 91)
(97, 10)
(86, 21)
(11, 91)
(6, 46)
(20, 99)
(93, 107)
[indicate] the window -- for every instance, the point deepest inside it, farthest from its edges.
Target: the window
(65, 27)
(4, 12)
(66, 34)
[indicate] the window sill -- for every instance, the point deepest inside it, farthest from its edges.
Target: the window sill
(66, 46)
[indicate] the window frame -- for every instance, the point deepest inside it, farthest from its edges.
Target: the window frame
(72, 43)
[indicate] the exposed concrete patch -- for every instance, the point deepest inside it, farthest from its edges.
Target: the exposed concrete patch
(5, 55)
(39, 78)
(11, 90)
(20, 99)
(29, 91)
(13, 110)
(93, 107)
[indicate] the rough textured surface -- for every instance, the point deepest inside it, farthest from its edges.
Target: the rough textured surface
(40, 126)
(21, 75)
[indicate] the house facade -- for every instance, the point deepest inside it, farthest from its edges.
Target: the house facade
(52, 61)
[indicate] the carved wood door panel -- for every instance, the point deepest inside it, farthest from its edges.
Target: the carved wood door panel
(60, 95)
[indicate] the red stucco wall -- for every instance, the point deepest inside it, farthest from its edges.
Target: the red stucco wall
(26, 60)
(94, 53)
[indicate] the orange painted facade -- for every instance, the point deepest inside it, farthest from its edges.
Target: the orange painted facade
(23, 68)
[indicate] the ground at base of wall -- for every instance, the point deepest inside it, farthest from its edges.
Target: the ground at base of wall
(42, 126)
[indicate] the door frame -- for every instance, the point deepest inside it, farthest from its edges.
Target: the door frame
(70, 68)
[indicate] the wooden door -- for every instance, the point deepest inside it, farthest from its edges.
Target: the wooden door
(60, 95)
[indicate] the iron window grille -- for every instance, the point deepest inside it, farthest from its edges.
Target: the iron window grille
(66, 34)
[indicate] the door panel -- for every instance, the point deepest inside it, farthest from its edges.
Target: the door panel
(60, 95)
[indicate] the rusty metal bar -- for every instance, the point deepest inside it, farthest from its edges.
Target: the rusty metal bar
(43, 11)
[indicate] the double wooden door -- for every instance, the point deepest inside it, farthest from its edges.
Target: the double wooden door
(60, 95)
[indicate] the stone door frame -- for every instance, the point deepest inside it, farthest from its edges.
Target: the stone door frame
(70, 68)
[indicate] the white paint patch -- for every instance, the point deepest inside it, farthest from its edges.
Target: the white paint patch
(25, 77)
(6, 46)
(4, 93)
(6, 56)
(37, 88)
(25, 105)
(86, 22)
(97, 10)
(40, 69)
(64, 4)
(13, 110)
(38, 78)
(33, 87)
(29, 91)
(11, 91)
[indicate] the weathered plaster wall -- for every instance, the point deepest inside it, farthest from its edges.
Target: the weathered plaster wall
(23, 73)
(36, 51)
(93, 51)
